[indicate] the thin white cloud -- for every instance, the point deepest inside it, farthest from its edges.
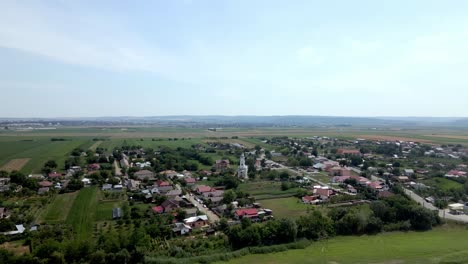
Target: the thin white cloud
(38, 30)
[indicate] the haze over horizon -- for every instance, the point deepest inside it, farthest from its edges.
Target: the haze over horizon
(264, 58)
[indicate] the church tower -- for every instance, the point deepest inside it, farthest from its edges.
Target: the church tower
(242, 171)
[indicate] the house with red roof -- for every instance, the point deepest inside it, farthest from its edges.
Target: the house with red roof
(323, 193)
(222, 165)
(455, 174)
(54, 175)
(45, 183)
(160, 183)
(309, 199)
(158, 209)
(94, 167)
(190, 181)
(203, 189)
(246, 212)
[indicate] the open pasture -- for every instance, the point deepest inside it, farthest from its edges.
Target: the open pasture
(443, 245)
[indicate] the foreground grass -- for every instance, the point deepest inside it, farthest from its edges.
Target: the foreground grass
(83, 212)
(286, 207)
(57, 211)
(443, 245)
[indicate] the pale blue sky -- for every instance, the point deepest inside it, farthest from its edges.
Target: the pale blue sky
(146, 58)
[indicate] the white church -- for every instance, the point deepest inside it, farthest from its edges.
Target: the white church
(242, 171)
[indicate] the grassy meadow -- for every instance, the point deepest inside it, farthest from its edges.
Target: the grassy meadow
(442, 245)
(57, 210)
(290, 207)
(82, 214)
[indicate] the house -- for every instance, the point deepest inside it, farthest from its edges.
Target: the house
(4, 181)
(45, 183)
(94, 167)
(309, 199)
(173, 193)
(375, 186)
(144, 174)
(165, 189)
(118, 187)
(216, 200)
(402, 178)
(190, 212)
(160, 183)
(323, 193)
(4, 213)
(455, 174)
(340, 179)
(158, 209)
(169, 173)
(196, 221)
(133, 185)
(205, 173)
(107, 187)
(190, 181)
(408, 172)
(43, 190)
(213, 193)
(181, 229)
(170, 205)
(203, 189)
(86, 181)
(54, 175)
(348, 152)
(246, 212)
(350, 189)
(117, 213)
(222, 165)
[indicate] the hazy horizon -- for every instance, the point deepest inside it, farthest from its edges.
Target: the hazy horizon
(233, 58)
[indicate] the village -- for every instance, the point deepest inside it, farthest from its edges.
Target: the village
(325, 171)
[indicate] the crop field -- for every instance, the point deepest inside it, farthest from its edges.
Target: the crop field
(443, 245)
(37, 151)
(57, 211)
(266, 190)
(83, 212)
(290, 207)
(14, 165)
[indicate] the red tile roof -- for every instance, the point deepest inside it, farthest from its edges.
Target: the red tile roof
(309, 198)
(45, 184)
(190, 180)
(249, 212)
(55, 175)
(162, 183)
(203, 188)
(158, 209)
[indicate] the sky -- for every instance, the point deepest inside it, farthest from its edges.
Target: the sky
(238, 57)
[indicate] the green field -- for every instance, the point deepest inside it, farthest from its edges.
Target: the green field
(104, 210)
(83, 212)
(39, 150)
(266, 190)
(443, 245)
(443, 183)
(290, 207)
(57, 211)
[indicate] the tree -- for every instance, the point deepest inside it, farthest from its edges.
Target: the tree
(51, 164)
(284, 176)
(229, 196)
(315, 226)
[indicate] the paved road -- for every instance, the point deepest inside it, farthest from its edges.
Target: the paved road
(443, 213)
(211, 216)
